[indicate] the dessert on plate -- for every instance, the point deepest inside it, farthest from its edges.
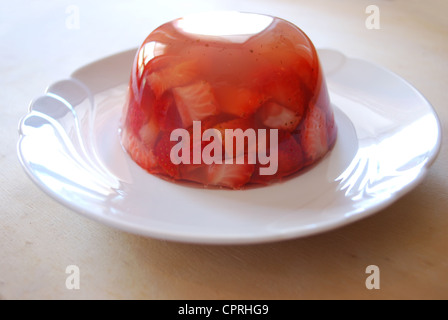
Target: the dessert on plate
(227, 100)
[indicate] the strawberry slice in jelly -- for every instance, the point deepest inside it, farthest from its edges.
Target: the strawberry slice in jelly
(172, 76)
(238, 101)
(195, 102)
(314, 134)
(242, 134)
(274, 115)
(233, 176)
(142, 155)
(162, 154)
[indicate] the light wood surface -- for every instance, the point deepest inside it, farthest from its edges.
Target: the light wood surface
(39, 238)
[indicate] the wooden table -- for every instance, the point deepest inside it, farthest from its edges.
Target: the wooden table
(408, 241)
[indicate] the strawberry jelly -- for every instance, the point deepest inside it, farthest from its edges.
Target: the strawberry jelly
(227, 71)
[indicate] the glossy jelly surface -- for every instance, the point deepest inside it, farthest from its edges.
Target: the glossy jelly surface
(227, 71)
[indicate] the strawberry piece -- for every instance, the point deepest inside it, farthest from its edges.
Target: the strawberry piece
(195, 102)
(233, 176)
(166, 113)
(143, 156)
(290, 155)
(194, 173)
(233, 124)
(239, 149)
(162, 153)
(289, 91)
(148, 133)
(170, 77)
(290, 160)
(238, 101)
(285, 87)
(136, 116)
(332, 131)
(314, 134)
(276, 116)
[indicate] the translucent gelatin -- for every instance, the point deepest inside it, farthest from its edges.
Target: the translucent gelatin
(227, 71)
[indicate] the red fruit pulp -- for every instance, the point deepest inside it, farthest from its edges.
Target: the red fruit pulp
(227, 70)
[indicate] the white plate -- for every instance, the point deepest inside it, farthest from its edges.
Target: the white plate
(388, 137)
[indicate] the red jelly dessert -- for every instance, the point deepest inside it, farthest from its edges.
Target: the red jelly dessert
(227, 99)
